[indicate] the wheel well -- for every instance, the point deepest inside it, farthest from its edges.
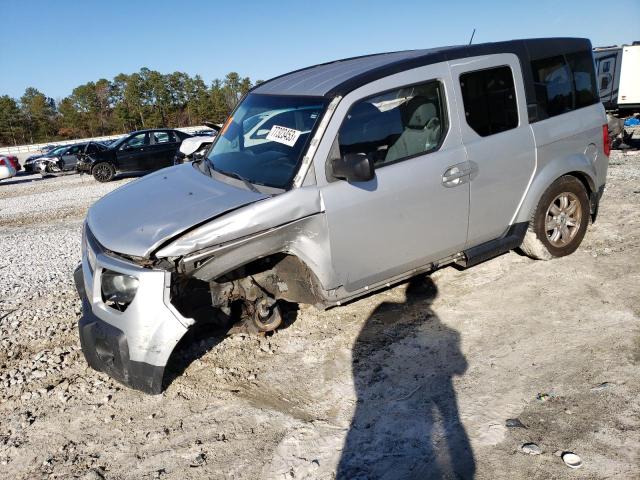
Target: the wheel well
(279, 276)
(282, 275)
(586, 181)
(591, 192)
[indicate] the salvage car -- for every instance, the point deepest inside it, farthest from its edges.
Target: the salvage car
(414, 160)
(7, 170)
(46, 152)
(193, 148)
(15, 163)
(140, 151)
(65, 159)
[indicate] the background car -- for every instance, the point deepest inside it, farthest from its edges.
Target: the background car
(30, 161)
(15, 163)
(67, 158)
(204, 133)
(193, 148)
(6, 168)
(140, 151)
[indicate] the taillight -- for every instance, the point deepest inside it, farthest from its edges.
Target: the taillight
(2, 162)
(606, 144)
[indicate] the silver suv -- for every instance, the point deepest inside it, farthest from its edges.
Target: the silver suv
(336, 180)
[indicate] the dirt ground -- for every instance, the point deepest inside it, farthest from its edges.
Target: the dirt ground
(418, 381)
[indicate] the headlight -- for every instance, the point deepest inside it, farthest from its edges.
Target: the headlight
(118, 289)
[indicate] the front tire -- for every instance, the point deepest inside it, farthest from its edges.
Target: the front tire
(266, 318)
(103, 172)
(559, 222)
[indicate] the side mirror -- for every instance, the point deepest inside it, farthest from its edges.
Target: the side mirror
(353, 167)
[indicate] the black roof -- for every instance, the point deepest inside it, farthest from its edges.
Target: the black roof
(340, 77)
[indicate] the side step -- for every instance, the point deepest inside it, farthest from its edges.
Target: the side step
(478, 254)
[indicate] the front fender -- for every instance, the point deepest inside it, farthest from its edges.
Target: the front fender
(305, 239)
(579, 165)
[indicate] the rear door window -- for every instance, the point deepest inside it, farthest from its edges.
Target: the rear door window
(489, 98)
(163, 137)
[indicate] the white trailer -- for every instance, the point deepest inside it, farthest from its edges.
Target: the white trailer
(618, 70)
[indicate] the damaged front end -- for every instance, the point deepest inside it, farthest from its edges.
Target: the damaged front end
(136, 310)
(128, 333)
(253, 293)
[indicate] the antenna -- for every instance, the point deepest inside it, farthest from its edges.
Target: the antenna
(471, 40)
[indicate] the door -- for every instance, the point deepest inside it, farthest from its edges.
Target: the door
(70, 157)
(162, 149)
(498, 139)
(606, 66)
(415, 209)
(133, 152)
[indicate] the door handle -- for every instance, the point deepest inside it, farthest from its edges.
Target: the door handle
(455, 175)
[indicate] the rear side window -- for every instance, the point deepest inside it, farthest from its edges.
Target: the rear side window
(163, 137)
(564, 83)
(396, 125)
(489, 99)
(584, 79)
(553, 86)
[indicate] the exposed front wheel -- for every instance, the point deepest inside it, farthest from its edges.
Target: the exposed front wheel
(103, 172)
(559, 222)
(266, 315)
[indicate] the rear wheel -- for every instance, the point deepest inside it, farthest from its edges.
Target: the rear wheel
(559, 222)
(103, 172)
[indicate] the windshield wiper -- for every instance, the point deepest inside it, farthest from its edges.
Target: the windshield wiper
(237, 176)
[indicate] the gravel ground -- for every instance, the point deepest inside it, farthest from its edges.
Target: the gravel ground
(460, 368)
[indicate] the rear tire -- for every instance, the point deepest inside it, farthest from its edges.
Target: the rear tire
(103, 172)
(559, 222)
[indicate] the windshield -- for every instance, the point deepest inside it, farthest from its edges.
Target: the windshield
(117, 142)
(264, 140)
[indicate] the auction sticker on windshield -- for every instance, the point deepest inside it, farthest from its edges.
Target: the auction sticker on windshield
(287, 136)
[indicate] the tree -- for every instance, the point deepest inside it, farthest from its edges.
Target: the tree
(38, 113)
(128, 102)
(11, 127)
(70, 123)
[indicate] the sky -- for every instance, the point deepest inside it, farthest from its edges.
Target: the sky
(56, 46)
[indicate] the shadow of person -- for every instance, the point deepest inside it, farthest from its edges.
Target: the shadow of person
(406, 423)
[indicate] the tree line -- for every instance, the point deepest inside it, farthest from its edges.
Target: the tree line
(145, 99)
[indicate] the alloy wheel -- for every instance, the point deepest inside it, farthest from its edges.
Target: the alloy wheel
(563, 219)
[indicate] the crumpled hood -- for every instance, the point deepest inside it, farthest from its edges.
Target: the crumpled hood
(140, 216)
